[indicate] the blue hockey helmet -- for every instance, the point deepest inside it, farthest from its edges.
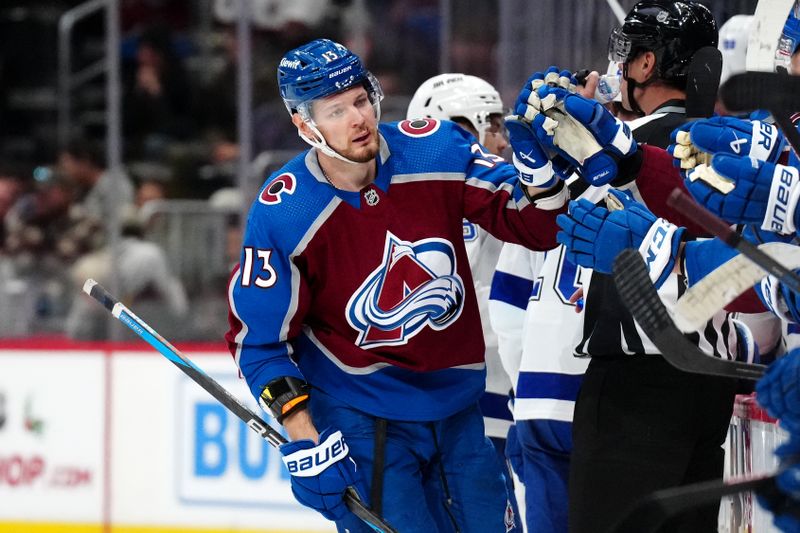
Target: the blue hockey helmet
(319, 69)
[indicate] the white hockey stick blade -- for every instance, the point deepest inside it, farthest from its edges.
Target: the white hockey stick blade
(719, 288)
(762, 44)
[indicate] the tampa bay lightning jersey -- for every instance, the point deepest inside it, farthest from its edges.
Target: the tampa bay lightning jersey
(544, 343)
(368, 295)
(483, 251)
(538, 327)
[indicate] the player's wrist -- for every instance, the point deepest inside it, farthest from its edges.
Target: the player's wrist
(628, 168)
(660, 249)
(299, 426)
(284, 396)
(548, 199)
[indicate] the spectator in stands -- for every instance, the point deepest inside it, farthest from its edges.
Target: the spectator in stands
(145, 280)
(83, 165)
(157, 95)
(149, 190)
(10, 191)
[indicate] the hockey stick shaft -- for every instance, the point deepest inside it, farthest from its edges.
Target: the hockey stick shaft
(784, 122)
(684, 203)
(643, 302)
(777, 93)
(650, 512)
(702, 84)
(233, 404)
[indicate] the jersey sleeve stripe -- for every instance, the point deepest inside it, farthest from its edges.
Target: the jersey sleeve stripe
(511, 289)
(548, 385)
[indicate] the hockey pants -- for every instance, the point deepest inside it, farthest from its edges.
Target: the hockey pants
(441, 476)
(539, 452)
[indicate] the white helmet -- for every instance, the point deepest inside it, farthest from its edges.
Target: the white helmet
(447, 96)
(733, 37)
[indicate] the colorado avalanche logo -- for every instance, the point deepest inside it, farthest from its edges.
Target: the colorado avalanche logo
(415, 286)
(421, 127)
(283, 184)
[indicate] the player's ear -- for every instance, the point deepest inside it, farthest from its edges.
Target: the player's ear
(648, 60)
(302, 126)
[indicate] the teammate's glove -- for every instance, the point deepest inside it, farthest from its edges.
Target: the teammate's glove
(694, 143)
(528, 127)
(754, 192)
(322, 472)
(588, 136)
(594, 236)
(534, 168)
(528, 104)
(786, 505)
(779, 390)
(779, 299)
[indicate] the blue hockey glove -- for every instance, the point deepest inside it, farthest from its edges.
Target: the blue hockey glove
(779, 390)
(786, 510)
(693, 143)
(322, 472)
(743, 190)
(594, 236)
(528, 128)
(588, 136)
(685, 154)
(528, 104)
(779, 299)
(534, 168)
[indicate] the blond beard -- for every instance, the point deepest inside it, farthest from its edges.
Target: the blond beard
(364, 154)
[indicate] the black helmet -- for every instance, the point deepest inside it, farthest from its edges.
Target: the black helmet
(673, 30)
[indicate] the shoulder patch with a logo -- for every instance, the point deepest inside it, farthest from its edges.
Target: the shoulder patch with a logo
(421, 127)
(272, 194)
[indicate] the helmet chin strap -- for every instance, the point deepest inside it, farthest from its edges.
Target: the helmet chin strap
(632, 85)
(322, 145)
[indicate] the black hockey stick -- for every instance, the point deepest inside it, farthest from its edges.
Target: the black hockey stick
(686, 205)
(233, 404)
(778, 93)
(642, 300)
(702, 82)
(653, 510)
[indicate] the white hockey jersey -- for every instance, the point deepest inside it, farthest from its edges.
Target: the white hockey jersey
(483, 251)
(545, 344)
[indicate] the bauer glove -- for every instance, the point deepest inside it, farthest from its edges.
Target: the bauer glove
(742, 190)
(529, 131)
(322, 472)
(779, 390)
(594, 236)
(695, 142)
(586, 135)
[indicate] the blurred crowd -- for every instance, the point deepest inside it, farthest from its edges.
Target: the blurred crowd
(177, 200)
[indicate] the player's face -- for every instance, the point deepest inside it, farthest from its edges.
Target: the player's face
(348, 123)
(496, 138)
(623, 90)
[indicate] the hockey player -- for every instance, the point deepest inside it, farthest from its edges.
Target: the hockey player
(475, 105)
(537, 329)
(639, 424)
(353, 317)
